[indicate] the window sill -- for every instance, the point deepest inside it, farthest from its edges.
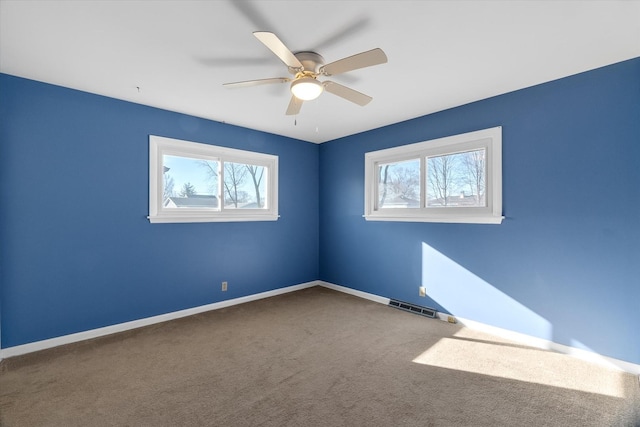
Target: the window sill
(166, 219)
(452, 219)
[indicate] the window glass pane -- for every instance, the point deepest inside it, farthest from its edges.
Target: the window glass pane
(457, 180)
(189, 183)
(245, 186)
(399, 184)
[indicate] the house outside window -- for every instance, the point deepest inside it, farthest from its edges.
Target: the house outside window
(193, 182)
(455, 179)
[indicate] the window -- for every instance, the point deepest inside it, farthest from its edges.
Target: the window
(192, 182)
(452, 179)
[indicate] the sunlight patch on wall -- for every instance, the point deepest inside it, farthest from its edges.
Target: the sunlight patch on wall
(520, 363)
(468, 296)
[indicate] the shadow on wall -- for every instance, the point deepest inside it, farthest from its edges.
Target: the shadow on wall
(468, 296)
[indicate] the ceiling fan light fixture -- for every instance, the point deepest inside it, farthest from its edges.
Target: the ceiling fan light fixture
(306, 88)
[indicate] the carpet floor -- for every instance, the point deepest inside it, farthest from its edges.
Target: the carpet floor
(314, 357)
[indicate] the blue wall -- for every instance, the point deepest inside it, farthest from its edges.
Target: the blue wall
(76, 249)
(565, 263)
(77, 253)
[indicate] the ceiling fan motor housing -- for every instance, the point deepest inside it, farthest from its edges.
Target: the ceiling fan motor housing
(311, 61)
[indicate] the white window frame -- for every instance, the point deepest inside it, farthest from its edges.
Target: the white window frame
(160, 146)
(487, 139)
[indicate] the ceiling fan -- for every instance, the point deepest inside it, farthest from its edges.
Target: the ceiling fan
(306, 67)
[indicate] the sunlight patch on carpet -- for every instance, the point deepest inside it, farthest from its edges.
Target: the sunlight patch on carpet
(515, 362)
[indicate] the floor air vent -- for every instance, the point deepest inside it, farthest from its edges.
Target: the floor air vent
(424, 311)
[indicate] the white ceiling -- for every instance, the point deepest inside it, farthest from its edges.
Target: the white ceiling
(176, 55)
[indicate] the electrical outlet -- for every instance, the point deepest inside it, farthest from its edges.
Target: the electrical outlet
(224, 286)
(422, 291)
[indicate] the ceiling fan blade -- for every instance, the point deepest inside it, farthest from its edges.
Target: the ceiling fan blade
(347, 93)
(272, 41)
(294, 106)
(248, 83)
(360, 60)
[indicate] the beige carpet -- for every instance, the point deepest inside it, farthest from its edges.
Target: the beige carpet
(310, 358)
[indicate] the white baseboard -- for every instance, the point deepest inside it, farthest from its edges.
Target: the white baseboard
(511, 335)
(365, 295)
(550, 345)
(471, 324)
(121, 327)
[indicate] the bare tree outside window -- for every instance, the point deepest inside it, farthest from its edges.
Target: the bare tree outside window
(211, 172)
(399, 184)
(194, 182)
(456, 179)
(474, 176)
(236, 187)
(256, 173)
(440, 180)
(169, 183)
(383, 173)
(235, 175)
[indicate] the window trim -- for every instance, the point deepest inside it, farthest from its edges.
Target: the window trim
(160, 146)
(489, 139)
